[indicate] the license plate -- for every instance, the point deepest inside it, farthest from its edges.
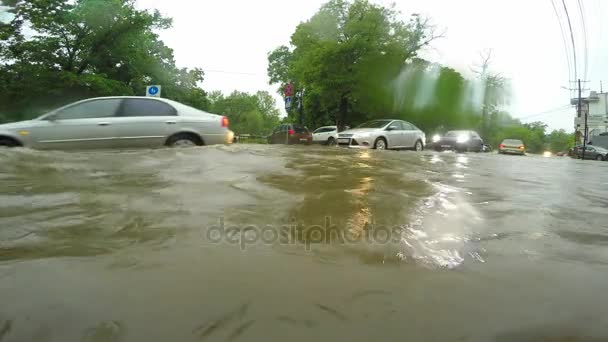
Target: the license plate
(446, 146)
(344, 140)
(303, 139)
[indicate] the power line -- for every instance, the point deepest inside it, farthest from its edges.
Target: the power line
(563, 33)
(580, 7)
(546, 112)
(572, 38)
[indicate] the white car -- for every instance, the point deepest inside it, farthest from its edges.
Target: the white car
(384, 135)
(119, 122)
(327, 135)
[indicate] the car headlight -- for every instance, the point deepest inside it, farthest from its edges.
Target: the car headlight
(436, 138)
(461, 139)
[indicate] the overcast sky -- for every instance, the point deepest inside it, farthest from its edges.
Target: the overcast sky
(230, 40)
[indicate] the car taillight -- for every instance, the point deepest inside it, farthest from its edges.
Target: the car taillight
(291, 132)
(224, 121)
(501, 146)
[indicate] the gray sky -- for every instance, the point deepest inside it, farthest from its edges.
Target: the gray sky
(230, 40)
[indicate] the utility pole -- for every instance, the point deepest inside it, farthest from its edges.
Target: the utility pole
(580, 111)
(301, 106)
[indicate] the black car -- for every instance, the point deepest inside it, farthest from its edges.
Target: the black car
(460, 141)
(592, 152)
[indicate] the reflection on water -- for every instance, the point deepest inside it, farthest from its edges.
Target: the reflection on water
(114, 246)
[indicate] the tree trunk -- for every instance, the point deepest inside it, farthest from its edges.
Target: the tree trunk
(340, 118)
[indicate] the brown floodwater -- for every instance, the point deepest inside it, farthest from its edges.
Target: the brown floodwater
(277, 243)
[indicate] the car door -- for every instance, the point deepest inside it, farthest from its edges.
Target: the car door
(87, 124)
(410, 134)
(145, 122)
(320, 135)
(395, 134)
(590, 153)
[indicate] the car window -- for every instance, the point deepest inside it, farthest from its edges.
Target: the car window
(452, 134)
(374, 124)
(300, 129)
(512, 142)
(396, 125)
(146, 107)
(323, 130)
(407, 126)
(102, 108)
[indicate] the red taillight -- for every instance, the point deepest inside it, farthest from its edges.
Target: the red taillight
(224, 121)
(501, 146)
(291, 132)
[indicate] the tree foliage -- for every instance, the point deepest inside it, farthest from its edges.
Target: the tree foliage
(87, 48)
(334, 54)
(248, 113)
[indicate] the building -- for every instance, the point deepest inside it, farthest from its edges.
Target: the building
(596, 108)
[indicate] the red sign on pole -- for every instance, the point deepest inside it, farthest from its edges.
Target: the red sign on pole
(289, 90)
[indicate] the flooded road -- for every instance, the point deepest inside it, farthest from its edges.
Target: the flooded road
(264, 243)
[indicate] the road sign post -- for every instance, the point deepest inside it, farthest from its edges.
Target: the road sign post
(288, 102)
(153, 91)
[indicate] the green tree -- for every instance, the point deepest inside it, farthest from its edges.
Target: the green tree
(343, 53)
(559, 141)
(87, 48)
(248, 113)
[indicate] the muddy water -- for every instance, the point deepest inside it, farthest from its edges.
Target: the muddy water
(254, 242)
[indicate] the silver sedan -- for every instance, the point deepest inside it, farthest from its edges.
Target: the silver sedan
(384, 134)
(119, 122)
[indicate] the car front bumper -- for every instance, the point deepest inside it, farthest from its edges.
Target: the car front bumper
(356, 142)
(511, 151)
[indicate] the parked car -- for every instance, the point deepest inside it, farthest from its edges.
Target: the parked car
(327, 135)
(512, 146)
(593, 152)
(290, 134)
(460, 141)
(119, 122)
(382, 135)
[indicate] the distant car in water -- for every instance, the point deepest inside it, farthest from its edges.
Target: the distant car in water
(290, 134)
(460, 141)
(383, 135)
(512, 146)
(119, 122)
(593, 152)
(327, 135)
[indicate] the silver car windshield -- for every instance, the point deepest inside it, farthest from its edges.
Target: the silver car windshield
(375, 124)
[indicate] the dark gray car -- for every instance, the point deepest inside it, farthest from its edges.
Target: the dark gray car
(593, 153)
(460, 141)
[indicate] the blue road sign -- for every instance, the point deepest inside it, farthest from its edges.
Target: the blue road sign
(153, 91)
(288, 102)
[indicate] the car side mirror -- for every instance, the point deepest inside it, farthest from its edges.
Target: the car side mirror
(391, 128)
(52, 118)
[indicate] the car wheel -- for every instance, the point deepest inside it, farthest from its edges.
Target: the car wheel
(600, 158)
(184, 140)
(380, 144)
(418, 146)
(4, 142)
(331, 142)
